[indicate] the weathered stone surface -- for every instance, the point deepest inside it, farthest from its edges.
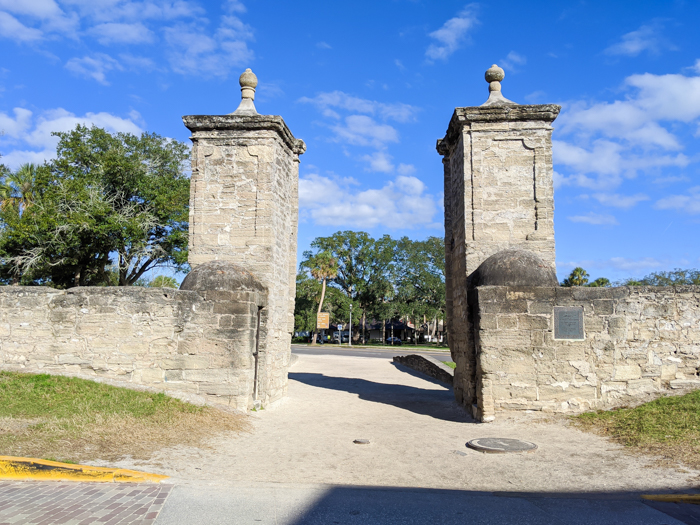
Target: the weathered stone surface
(69, 332)
(244, 210)
(635, 349)
(428, 366)
(513, 267)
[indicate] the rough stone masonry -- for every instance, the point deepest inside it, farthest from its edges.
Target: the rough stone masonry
(499, 194)
(519, 340)
(244, 209)
(225, 335)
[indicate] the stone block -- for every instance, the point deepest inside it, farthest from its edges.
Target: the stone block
(182, 362)
(208, 375)
(627, 372)
(668, 372)
(151, 375)
(685, 383)
(507, 322)
(636, 387)
(533, 322)
(219, 389)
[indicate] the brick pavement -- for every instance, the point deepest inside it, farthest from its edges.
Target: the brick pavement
(74, 503)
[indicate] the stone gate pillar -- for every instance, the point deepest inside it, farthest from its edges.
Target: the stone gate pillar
(244, 208)
(499, 194)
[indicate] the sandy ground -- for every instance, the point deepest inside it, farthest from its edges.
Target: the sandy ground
(417, 438)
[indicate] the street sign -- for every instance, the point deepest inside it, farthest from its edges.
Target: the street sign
(323, 320)
(340, 327)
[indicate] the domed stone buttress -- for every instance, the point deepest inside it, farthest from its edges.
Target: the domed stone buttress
(513, 267)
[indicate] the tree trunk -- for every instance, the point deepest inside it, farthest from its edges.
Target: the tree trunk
(364, 319)
(383, 332)
(320, 305)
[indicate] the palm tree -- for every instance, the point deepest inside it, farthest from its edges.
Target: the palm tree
(17, 188)
(578, 277)
(322, 267)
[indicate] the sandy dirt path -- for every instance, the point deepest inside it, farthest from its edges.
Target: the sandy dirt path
(417, 438)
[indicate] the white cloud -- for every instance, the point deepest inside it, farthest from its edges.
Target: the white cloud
(13, 29)
(401, 203)
(689, 203)
(379, 161)
(620, 201)
(512, 62)
(406, 169)
(611, 141)
(192, 45)
(46, 14)
(192, 51)
(646, 38)
(29, 139)
(114, 33)
(323, 45)
(95, 66)
(397, 111)
(596, 219)
(452, 34)
(361, 130)
(15, 127)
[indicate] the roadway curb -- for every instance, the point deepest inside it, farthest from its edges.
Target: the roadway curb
(12, 468)
(674, 498)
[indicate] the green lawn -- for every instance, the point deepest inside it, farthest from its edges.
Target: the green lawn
(668, 427)
(451, 364)
(76, 420)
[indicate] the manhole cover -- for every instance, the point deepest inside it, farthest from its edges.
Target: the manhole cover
(501, 445)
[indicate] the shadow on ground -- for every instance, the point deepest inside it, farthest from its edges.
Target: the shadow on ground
(439, 404)
(360, 505)
(285, 504)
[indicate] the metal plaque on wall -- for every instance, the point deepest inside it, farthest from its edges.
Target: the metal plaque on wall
(568, 322)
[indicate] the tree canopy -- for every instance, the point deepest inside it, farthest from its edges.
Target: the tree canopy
(108, 203)
(382, 278)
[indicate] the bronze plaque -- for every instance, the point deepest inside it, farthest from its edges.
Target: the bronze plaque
(568, 322)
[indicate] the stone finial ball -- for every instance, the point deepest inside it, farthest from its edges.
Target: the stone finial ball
(248, 79)
(494, 74)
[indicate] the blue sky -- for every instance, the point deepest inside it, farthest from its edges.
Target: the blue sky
(370, 86)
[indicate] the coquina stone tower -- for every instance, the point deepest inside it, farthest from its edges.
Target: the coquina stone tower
(244, 209)
(499, 194)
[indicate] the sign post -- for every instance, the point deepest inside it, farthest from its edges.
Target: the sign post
(350, 328)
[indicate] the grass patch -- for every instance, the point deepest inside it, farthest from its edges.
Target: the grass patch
(668, 427)
(73, 420)
(451, 364)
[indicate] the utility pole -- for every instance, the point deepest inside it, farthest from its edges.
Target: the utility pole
(350, 328)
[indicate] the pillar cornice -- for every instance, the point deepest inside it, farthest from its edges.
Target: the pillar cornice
(201, 125)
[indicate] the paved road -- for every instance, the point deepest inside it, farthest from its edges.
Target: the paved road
(282, 504)
(387, 353)
(47, 503)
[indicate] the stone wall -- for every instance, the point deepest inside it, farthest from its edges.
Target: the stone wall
(194, 342)
(639, 343)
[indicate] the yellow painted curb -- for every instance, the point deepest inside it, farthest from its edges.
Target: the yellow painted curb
(674, 498)
(44, 470)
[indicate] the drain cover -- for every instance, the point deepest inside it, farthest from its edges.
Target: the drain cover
(501, 445)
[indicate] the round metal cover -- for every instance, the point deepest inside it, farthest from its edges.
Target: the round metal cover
(501, 445)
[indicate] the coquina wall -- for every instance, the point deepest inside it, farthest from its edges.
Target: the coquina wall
(198, 342)
(639, 343)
